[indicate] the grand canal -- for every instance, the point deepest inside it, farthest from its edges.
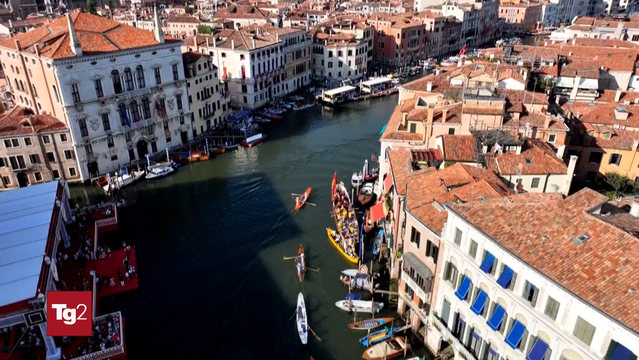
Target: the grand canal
(211, 241)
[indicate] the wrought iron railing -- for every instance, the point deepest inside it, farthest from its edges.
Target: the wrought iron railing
(450, 338)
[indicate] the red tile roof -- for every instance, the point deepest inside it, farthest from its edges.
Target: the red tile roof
(21, 121)
(536, 158)
(603, 271)
(96, 35)
(459, 148)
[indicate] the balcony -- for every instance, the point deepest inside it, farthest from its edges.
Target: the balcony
(451, 339)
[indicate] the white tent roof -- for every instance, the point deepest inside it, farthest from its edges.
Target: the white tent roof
(25, 219)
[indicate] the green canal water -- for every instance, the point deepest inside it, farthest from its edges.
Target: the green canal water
(211, 241)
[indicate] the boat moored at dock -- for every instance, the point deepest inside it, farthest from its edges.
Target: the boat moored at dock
(370, 323)
(254, 140)
(359, 306)
(386, 350)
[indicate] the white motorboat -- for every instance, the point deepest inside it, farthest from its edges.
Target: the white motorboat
(357, 280)
(359, 306)
(156, 172)
(302, 320)
(357, 179)
(121, 180)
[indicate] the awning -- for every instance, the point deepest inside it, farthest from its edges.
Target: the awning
(487, 265)
(565, 82)
(497, 318)
(538, 351)
(420, 268)
(462, 291)
(621, 353)
(377, 212)
(516, 333)
(505, 277)
(589, 84)
(388, 182)
(480, 303)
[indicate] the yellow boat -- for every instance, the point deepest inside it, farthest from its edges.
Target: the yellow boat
(354, 259)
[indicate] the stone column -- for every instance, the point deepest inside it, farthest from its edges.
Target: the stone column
(53, 352)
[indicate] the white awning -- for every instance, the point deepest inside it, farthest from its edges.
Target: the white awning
(565, 82)
(589, 84)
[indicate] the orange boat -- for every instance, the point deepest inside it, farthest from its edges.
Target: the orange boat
(302, 199)
(195, 156)
(300, 263)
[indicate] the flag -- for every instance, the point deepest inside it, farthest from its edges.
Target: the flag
(334, 183)
(373, 158)
(125, 117)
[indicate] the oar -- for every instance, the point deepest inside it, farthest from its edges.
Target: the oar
(308, 203)
(293, 194)
(316, 270)
(318, 338)
(291, 318)
(290, 257)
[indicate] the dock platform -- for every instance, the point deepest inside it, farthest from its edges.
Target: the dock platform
(107, 268)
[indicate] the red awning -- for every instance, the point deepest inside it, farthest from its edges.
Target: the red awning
(377, 212)
(388, 182)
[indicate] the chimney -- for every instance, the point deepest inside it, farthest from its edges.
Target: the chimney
(574, 41)
(429, 86)
(547, 122)
(277, 37)
(195, 42)
(429, 123)
(437, 72)
(618, 95)
(36, 49)
(74, 42)
(524, 74)
(159, 35)
(10, 24)
(253, 42)
(634, 208)
(444, 112)
(18, 47)
(572, 164)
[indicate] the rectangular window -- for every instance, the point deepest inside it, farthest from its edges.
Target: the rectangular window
(75, 93)
(83, 127)
(55, 93)
(473, 249)
(615, 159)
(415, 236)
(552, 138)
(97, 84)
(531, 292)
(27, 141)
(176, 73)
(451, 273)
(50, 157)
(451, 131)
(63, 138)
(34, 159)
(105, 122)
(552, 308)
(89, 149)
(72, 172)
(535, 183)
(595, 157)
(69, 154)
(46, 139)
(158, 76)
(584, 331)
(413, 128)
(56, 174)
(178, 101)
(458, 237)
(17, 162)
(110, 143)
(38, 176)
(6, 181)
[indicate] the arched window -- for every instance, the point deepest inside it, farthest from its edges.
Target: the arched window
(135, 111)
(124, 117)
(139, 71)
(117, 82)
(146, 108)
(128, 79)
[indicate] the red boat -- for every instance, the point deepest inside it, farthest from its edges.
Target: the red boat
(301, 200)
(253, 140)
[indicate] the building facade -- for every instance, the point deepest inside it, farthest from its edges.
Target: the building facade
(122, 96)
(208, 98)
(35, 149)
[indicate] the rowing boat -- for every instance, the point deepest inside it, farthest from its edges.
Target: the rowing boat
(377, 243)
(300, 263)
(302, 199)
(386, 350)
(350, 255)
(370, 323)
(302, 319)
(378, 336)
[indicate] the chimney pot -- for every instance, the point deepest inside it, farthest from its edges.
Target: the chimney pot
(17, 42)
(618, 95)
(233, 44)
(429, 86)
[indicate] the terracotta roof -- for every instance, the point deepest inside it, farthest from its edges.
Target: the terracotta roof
(21, 121)
(459, 147)
(393, 132)
(535, 158)
(603, 271)
(537, 120)
(604, 114)
(456, 183)
(96, 35)
(589, 135)
(401, 166)
(618, 214)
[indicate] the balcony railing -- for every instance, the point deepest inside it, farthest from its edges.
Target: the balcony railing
(105, 222)
(112, 351)
(450, 338)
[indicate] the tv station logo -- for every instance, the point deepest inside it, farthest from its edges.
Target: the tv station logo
(69, 313)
